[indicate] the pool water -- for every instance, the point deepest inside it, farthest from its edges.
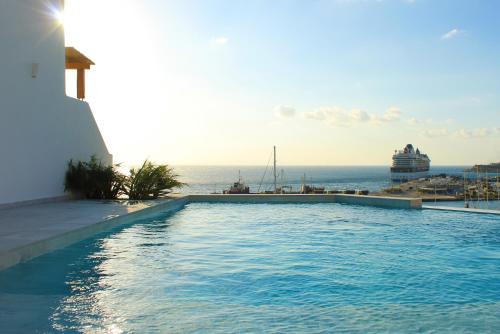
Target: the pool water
(267, 268)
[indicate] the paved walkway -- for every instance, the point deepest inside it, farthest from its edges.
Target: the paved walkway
(31, 230)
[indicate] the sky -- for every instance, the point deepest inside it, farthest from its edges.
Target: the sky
(329, 82)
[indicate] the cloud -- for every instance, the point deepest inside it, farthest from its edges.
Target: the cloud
(333, 116)
(284, 111)
(340, 117)
(392, 114)
(461, 133)
(359, 115)
(319, 115)
(452, 33)
(473, 133)
(412, 121)
(221, 40)
(436, 133)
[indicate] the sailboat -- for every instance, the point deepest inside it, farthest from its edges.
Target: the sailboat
(239, 187)
(275, 190)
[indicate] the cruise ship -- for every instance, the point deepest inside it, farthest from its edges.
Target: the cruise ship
(408, 164)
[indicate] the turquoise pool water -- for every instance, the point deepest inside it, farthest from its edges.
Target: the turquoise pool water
(267, 268)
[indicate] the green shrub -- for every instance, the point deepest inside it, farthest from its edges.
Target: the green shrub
(150, 181)
(93, 180)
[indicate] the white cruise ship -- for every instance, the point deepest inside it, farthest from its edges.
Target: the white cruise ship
(408, 164)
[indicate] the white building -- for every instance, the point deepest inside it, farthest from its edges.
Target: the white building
(41, 128)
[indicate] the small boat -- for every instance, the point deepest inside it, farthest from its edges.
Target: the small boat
(306, 189)
(238, 187)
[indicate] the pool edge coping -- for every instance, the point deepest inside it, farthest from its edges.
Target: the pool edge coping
(463, 210)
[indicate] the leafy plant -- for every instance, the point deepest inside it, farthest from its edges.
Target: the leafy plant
(150, 181)
(93, 180)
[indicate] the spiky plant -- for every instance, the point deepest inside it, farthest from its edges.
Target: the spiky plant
(150, 181)
(93, 180)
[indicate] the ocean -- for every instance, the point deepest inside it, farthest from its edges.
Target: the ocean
(210, 179)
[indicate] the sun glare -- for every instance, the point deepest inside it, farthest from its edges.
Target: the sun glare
(60, 17)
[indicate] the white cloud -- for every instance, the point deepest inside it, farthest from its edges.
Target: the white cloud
(436, 133)
(221, 40)
(284, 111)
(460, 133)
(319, 115)
(359, 115)
(413, 121)
(392, 114)
(473, 133)
(336, 116)
(452, 33)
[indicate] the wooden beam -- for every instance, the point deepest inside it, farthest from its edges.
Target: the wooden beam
(80, 84)
(77, 66)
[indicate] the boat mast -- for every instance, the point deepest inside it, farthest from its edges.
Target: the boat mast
(466, 204)
(274, 171)
(478, 183)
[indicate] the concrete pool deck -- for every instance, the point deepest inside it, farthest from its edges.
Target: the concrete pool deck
(32, 230)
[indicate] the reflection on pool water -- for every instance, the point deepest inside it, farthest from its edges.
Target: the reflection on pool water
(273, 268)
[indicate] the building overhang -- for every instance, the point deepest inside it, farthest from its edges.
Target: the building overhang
(75, 60)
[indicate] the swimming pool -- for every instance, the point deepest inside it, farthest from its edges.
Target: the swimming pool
(273, 268)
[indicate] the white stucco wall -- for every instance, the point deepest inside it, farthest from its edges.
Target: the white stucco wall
(41, 128)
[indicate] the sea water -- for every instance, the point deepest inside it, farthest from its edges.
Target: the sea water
(207, 179)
